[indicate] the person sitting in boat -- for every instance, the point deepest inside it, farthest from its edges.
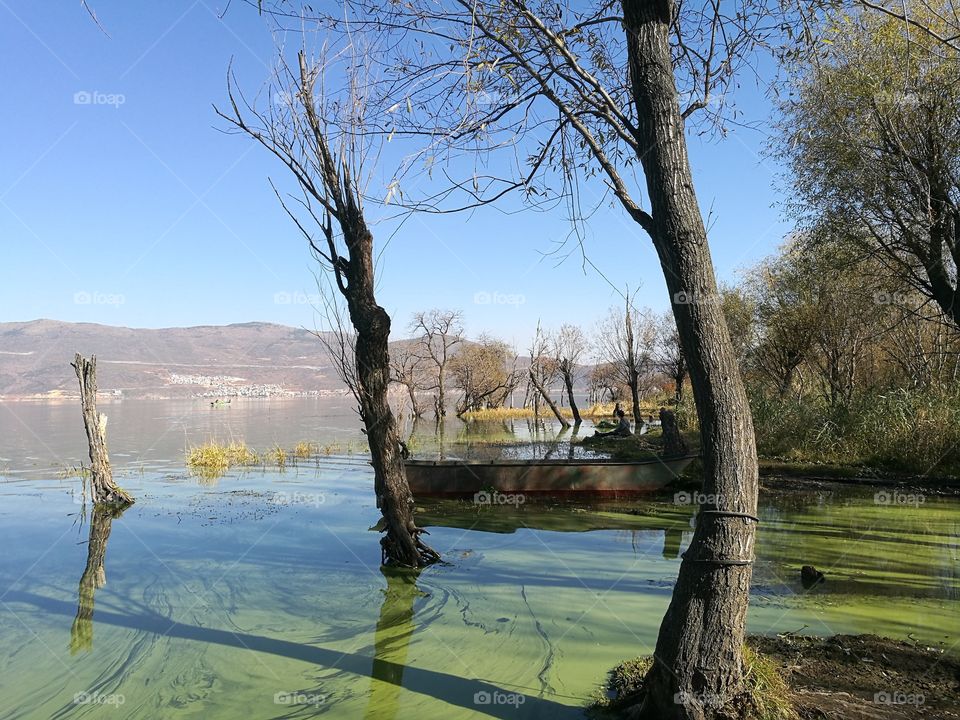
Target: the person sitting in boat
(621, 430)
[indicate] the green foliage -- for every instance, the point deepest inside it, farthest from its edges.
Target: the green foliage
(906, 431)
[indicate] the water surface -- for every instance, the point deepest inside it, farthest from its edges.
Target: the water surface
(260, 595)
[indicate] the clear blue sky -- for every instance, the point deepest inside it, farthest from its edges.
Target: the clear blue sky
(143, 214)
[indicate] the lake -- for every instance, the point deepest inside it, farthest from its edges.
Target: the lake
(259, 594)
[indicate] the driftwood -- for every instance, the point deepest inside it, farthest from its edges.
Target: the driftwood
(103, 489)
(673, 443)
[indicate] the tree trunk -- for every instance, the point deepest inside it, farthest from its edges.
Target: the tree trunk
(553, 406)
(673, 443)
(679, 376)
(401, 544)
(635, 398)
(440, 402)
(103, 490)
(568, 381)
(414, 403)
(699, 654)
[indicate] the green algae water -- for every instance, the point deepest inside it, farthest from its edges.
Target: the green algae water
(260, 595)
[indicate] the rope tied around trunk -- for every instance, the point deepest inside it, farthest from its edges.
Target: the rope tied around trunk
(724, 562)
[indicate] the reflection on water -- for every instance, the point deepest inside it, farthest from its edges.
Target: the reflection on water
(94, 576)
(392, 642)
(223, 601)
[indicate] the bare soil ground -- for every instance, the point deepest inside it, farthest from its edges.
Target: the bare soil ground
(865, 677)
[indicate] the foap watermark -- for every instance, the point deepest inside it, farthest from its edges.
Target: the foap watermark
(498, 298)
(484, 697)
(492, 497)
(898, 697)
(696, 498)
(495, 97)
(692, 297)
(84, 297)
(91, 697)
(700, 699)
(882, 297)
(297, 298)
(298, 698)
(893, 497)
(298, 498)
(96, 97)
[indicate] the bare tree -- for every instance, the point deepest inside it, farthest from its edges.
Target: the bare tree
(668, 354)
(570, 344)
(439, 331)
(605, 383)
(407, 366)
(318, 139)
(626, 340)
(543, 370)
(571, 93)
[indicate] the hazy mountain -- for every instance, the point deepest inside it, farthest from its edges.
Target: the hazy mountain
(248, 358)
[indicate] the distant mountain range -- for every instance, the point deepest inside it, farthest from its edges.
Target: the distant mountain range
(253, 359)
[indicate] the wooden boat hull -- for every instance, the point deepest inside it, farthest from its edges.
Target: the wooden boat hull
(456, 478)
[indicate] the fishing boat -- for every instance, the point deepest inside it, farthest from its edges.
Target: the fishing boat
(548, 477)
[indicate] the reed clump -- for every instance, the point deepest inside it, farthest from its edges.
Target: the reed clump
(219, 457)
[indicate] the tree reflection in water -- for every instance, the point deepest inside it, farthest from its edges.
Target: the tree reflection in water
(94, 576)
(391, 642)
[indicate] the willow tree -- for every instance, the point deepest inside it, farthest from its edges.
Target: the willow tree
(319, 140)
(871, 134)
(548, 99)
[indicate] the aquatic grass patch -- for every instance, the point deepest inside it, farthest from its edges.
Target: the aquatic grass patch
(597, 410)
(304, 450)
(216, 458)
(767, 695)
(501, 413)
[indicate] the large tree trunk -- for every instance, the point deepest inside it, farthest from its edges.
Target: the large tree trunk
(699, 652)
(103, 489)
(568, 381)
(546, 397)
(401, 544)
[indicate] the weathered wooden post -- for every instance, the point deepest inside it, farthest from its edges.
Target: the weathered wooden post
(103, 489)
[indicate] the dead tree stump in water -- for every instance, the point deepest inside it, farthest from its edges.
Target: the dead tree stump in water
(103, 489)
(673, 443)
